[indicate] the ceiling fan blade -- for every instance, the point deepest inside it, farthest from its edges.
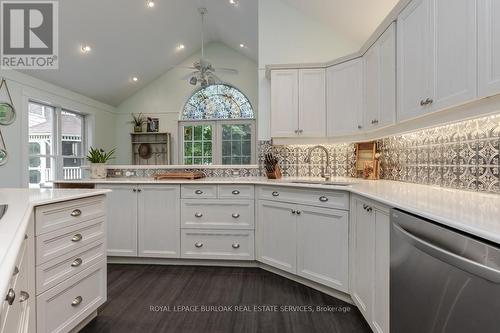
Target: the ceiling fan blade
(184, 67)
(226, 70)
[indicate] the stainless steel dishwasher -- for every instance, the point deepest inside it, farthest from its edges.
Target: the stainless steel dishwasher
(442, 280)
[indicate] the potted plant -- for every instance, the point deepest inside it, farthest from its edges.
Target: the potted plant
(138, 121)
(98, 159)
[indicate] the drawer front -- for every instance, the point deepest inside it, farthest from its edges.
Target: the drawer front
(199, 191)
(57, 243)
(321, 198)
(60, 269)
(59, 215)
(63, 307)
(217, 214)
(218, 244)
(236, 191)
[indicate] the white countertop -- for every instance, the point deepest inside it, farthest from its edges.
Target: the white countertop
(472, 212)
(15, 221)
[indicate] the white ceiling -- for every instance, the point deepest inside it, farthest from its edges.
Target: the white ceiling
(356, 20)
(128, 39)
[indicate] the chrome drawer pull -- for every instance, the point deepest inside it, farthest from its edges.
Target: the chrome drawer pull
(236, 192)
(77, 301)
(11, 296)
(77, 238)
(198, 192)
(236, 215)
(76, 213)
(198, 245)
(236, 246)
(77, 262)
(294, 211)
(198, 215)
(323, 199)
(299, 212)
(24, 296)
(275, 194)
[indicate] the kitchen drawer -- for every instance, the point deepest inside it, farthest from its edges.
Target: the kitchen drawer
(61, 268)
(57, 243)
(217, 214)
(199, 191)
(236, 191)
(63, 307)
(321, 198)
(217, 244)
(59, 215)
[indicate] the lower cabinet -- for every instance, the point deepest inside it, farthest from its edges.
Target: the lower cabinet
(369, 261)
(309, 241)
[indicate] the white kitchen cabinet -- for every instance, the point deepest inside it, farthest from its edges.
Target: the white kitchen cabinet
(344, 84)
(298, 103)
(489, 47)
(322, 246)
(277, 235)
(436, 56)
(380, 81)
(122, 220)
(159, 221)
(369, 261)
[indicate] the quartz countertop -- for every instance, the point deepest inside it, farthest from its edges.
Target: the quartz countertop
(472, 212)
(14, 223)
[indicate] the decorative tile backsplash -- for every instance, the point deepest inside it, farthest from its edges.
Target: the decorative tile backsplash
(217, 172)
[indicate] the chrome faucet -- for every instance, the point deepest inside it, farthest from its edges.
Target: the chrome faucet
(326, 175)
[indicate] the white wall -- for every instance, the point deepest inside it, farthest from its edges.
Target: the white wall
(287, 36)
(24, 87)
(165, 97)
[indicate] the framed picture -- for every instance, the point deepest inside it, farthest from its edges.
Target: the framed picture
(153, 124)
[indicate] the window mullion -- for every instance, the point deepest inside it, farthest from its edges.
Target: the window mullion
(59, 173)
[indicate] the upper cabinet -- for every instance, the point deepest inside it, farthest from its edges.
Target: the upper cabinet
(436, 56)
(489, 47)
(344, 84)
(298, 103)
(380, 81)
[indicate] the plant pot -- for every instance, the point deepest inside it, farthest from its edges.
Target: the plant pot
(137, 129)
(98, 170)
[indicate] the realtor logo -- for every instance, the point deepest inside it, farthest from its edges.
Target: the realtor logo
(29, 33)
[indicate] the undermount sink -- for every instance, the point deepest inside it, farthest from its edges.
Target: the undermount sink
(322, 182)
(3, 209)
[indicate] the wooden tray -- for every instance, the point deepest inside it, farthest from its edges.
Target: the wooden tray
(180, 175)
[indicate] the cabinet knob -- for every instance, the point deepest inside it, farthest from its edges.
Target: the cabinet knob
(11, 296)
(77, 238)
(198, 192)
(139, 190)
(77, 262)
(323, 199)
(296, 131)
(198, 245)
(198, 215)
(134, 190)
(369, 209)
(77, 301)
(236, 215)
(294, 211)
(24, 296)
(275, 194)
(299, 212)
(76, 213)
(360, 127)
(236, 192)
(236, 246)
(301, 131)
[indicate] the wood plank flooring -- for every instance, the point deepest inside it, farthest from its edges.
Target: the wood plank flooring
(134, 289)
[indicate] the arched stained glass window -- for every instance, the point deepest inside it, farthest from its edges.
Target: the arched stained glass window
(218, 101)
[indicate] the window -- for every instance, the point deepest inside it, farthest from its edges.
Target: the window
(56, 144)
(217, 127)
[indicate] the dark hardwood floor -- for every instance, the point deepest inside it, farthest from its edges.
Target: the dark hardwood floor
(179, 293)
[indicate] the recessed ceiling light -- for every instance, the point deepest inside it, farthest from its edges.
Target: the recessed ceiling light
(86, 48)
(135, 79)
(234, 2)
(150, 3)
(181, 47)
(242, 45)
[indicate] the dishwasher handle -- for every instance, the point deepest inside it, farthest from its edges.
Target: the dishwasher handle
(451, 258)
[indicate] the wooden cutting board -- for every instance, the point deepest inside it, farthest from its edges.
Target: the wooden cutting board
(180, 175)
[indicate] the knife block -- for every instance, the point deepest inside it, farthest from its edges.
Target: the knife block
(276, 174)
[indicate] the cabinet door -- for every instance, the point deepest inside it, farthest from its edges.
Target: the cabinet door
(159, 221)
(344, 98)
(454, 40)
(312, 102)
(122, 220)
(489, 47)
(387, 78)
(414, 59)
(277, 235)
(371, 61)
(284, 103)
(322, 246)
(381, 293)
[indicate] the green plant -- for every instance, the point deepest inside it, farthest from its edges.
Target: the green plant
(138, 120)
(99, 155)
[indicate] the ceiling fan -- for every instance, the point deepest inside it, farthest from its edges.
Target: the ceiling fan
(204, 72)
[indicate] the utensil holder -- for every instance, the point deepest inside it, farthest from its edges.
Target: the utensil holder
(276, 174)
